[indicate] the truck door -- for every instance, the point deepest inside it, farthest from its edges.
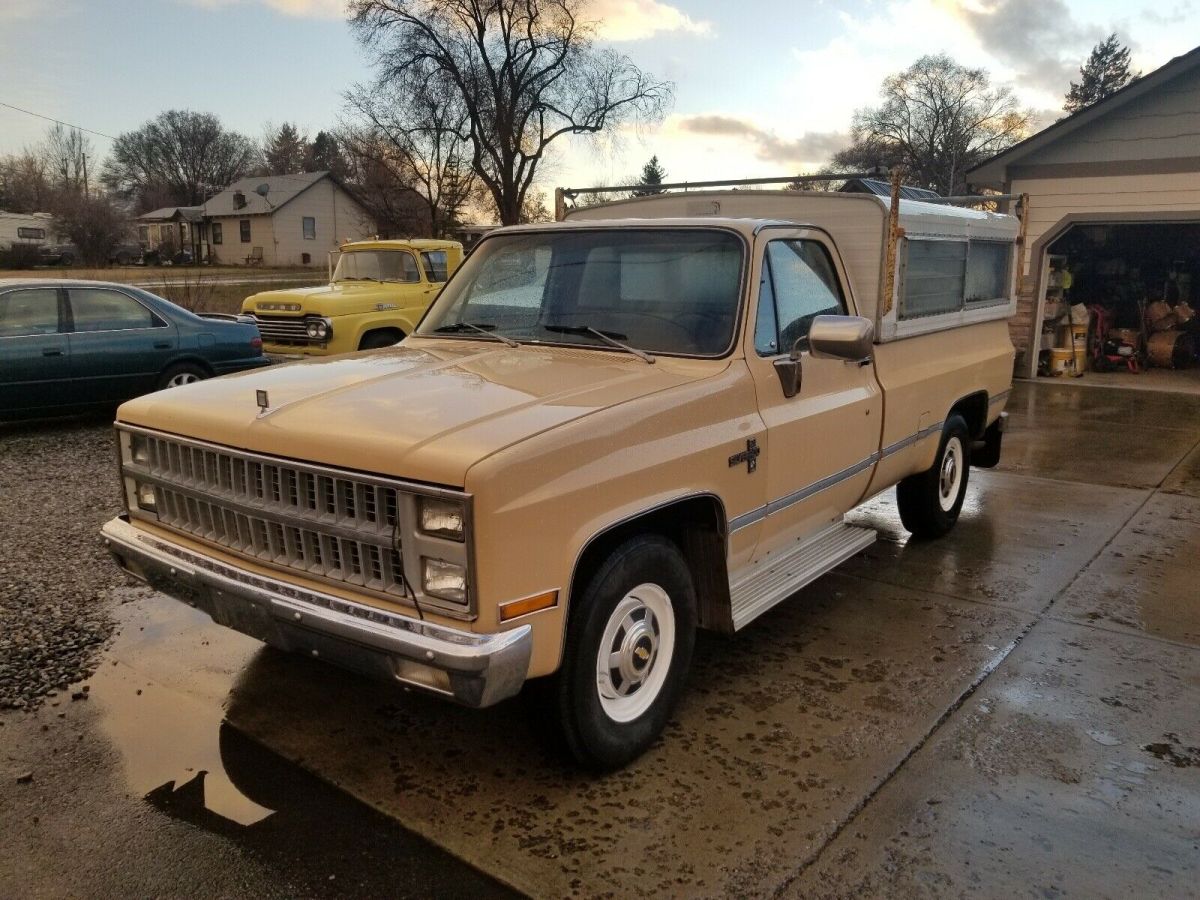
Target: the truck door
(821, 444)
(34, 362)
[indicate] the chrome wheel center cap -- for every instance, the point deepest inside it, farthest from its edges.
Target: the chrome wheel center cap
(637, 653)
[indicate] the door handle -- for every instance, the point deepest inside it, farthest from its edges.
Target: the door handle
(51, 351)
(162, 345)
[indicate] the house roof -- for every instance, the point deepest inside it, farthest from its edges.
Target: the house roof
(172, 213)
(278, 189)
(884, 189)
(992, 171)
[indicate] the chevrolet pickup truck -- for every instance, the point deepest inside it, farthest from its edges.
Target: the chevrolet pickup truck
(375, 296)
(606, 433)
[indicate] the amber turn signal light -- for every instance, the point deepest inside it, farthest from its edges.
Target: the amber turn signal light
(526, 605)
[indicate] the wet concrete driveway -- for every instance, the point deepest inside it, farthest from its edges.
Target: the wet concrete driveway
(1011, 710)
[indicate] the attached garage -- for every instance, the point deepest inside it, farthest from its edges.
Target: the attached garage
(1113, 239)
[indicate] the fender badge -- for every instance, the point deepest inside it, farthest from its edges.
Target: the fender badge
(263, 400)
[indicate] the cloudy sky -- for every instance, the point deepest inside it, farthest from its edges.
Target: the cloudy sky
(763, 87)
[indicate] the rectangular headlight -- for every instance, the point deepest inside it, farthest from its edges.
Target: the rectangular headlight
(145, 497)
(445, 580)
(139, 449)
(441, 518)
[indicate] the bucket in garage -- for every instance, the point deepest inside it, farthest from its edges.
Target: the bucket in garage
(1062, 361)
(1169, 349)
(1079, 338)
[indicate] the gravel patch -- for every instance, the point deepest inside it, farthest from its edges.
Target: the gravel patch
(58, 485)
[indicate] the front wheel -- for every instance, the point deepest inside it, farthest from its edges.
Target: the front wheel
(629, 646)
(931, 501)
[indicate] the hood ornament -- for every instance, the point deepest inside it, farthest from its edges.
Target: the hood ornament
(264, 402)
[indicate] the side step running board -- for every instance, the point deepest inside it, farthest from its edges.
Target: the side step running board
(760, 586)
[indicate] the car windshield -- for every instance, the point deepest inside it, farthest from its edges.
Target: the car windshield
(672, 291)
(377, 265)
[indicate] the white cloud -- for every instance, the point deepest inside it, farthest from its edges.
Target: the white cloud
(635, 20)
(300, 9)
(807, 151)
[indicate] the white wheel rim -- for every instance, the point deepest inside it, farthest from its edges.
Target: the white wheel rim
(635, 653)
(183, 378)
(950, 474)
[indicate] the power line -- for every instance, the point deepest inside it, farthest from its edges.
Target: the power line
(27, 112)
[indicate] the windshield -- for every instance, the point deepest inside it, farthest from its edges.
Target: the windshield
(659, 290)
(377, 265)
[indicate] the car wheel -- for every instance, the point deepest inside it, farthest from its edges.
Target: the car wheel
(629, 646)
(376, 339)
(67, 259)
(931, 501)
(181, 374)
(124, 259)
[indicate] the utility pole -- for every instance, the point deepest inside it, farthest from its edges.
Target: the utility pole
(85, 177)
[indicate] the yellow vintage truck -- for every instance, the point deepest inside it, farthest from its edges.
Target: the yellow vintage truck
(607, 433)
(376, 295)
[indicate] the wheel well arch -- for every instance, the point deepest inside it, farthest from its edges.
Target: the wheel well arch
(395, 331)
(697, 525)
(192, 358)
(974, 409)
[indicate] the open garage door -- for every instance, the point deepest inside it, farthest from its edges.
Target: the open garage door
(1117, 303)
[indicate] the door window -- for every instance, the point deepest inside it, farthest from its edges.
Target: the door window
(30, 311)
(96, 309)
(799, 283)
(435, 265)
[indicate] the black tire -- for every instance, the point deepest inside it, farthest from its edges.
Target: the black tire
(591, 733)
(67, 259)
(373, 340)
(181, 373)
(124, 259)
(929, 503)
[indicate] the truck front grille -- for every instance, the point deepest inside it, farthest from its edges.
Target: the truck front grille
(284, 330)
(336, 526)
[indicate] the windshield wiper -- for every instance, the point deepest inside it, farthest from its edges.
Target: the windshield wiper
(485, 329)
(611, 338)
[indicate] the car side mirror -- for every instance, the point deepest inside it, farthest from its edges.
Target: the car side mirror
(848, 338)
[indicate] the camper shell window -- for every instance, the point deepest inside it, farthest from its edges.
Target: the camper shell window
(947, 276)
(31, 234)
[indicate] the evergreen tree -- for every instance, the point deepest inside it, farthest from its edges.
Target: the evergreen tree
(286, 151)
(1105, 72)
(653, 174)
(325, 155)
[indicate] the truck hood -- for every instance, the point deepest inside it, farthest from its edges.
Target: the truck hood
(339, 299)
(424, 413)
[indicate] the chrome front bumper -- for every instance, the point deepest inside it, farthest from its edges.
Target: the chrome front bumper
(473, 669)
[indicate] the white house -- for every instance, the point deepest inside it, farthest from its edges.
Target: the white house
(283, 220)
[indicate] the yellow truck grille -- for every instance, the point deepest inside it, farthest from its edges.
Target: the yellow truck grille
(283, 330)
(335, 526)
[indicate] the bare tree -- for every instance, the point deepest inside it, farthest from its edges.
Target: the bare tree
(24, 183)
(526, 72)
(381, 187)
(937, 120)
(184, 155)
(95, 225)
(421, 135)
(66, 152)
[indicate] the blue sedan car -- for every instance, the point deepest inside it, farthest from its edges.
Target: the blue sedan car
(68, 344)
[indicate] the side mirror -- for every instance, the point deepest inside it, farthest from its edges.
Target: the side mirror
(849, 338)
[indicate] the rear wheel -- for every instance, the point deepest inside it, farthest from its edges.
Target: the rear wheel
(629, 645)
(181, 374)
(931, 501)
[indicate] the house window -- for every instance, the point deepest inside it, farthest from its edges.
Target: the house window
(32, 234)
(144, 234)
(216, 232)
(310, 228)
(244, 228)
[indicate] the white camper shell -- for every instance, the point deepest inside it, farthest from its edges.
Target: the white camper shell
(33, 229)
(954, 266)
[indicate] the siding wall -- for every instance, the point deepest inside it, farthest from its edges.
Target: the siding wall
(1126, 197)
(338, 218)
(231, 251)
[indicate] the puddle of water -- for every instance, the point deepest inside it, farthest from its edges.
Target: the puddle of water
(160, 694)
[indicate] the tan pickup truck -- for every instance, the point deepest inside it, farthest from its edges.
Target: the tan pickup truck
(606, 433)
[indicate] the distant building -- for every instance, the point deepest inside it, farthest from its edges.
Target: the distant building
(282, 220)
(171, 230)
